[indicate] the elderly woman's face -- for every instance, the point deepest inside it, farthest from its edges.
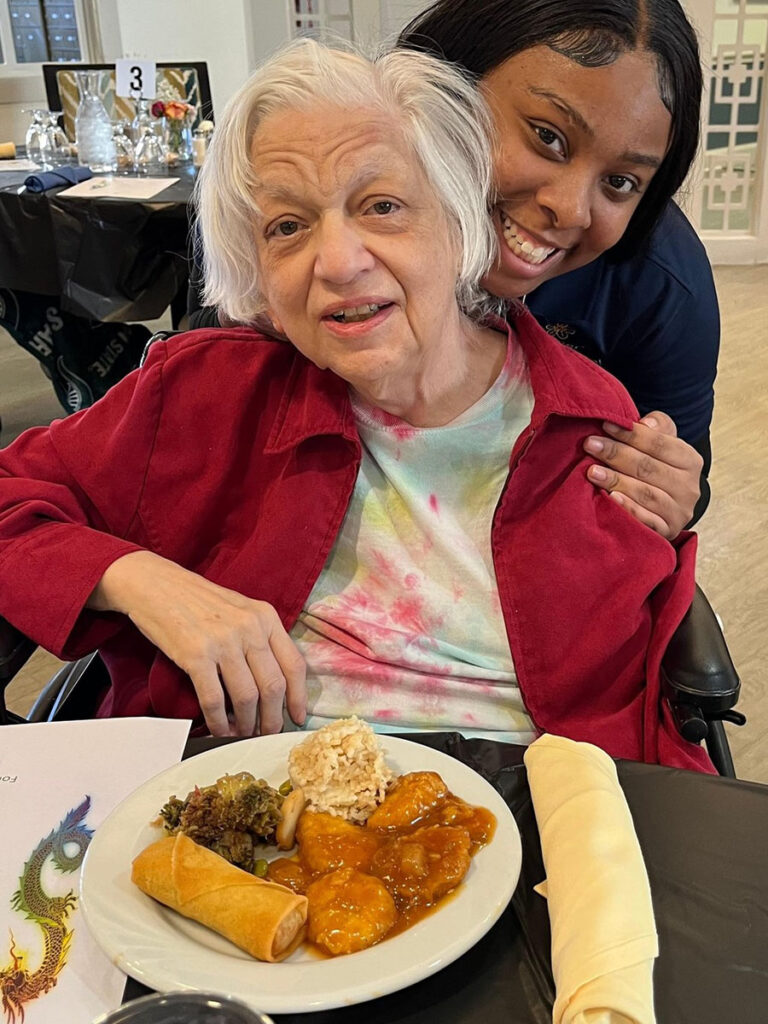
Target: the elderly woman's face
(355, 256)
(577, 148)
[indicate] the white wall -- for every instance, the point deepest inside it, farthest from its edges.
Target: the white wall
(16, 94)
(395, 15)
(230, 35)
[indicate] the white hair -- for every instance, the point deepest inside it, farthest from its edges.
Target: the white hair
(444, 120)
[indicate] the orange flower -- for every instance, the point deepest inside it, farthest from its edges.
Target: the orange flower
(176, 110)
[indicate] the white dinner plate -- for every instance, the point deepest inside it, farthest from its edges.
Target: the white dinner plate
(168, 952)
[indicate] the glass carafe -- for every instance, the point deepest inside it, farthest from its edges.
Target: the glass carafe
(93, 128)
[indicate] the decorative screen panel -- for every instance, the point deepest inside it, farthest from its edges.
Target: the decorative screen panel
(321, 19)
(735, 133)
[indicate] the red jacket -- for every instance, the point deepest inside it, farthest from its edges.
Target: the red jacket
(236, 457)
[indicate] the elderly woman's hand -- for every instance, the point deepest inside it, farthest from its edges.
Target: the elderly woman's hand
(650, 471)
(222, 640)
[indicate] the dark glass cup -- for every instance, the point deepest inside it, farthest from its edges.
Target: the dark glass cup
(185, 1008)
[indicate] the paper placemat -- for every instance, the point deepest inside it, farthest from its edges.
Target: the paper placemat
(18, 165)
(108, 187)
(58, 781)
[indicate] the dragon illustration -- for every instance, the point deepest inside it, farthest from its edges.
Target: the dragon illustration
(18, 984)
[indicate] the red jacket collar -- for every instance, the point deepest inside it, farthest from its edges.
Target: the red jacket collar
(566, 383)
(316, 402)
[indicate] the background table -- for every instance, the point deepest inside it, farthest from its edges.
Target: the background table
(114, 260)
(705, 842)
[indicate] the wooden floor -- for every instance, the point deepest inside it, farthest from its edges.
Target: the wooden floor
(733, 549)
(733, 546)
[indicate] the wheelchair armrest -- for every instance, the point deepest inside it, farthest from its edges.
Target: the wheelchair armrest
(697, 668)
(157, 336)
(15, 649)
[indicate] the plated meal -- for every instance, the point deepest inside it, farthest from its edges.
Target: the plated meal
(374, 852)
(368, 863)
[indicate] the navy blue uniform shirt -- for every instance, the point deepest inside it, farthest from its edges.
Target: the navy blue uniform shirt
(652, 321)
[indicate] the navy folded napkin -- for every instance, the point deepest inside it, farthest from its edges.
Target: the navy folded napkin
(54, 179)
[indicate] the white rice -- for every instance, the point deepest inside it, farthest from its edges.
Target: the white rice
(341, 769)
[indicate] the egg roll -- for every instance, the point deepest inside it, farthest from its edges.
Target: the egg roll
(265, 919)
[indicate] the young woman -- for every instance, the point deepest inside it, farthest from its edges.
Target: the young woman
(596, 112)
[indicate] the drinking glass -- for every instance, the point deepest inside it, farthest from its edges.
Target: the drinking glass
(151, 154)
(126, 154)
(142, 122)
(36, 139)
(185, 1008)
(59, 146)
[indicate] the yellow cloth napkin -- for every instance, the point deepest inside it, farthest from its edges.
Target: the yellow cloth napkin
(603, 932)
(7, 150)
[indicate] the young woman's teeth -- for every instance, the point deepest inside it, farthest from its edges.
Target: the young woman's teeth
(355, 313)
(520, 246)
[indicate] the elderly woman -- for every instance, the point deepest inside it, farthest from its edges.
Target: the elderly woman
(387, 513)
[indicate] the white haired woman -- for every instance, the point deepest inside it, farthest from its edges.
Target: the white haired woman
(387, 513)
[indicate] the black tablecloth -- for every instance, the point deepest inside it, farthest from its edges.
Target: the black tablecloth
(705, 842)
(113, 260)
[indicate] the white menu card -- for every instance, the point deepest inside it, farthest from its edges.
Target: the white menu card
(117, 188)
(58, 782)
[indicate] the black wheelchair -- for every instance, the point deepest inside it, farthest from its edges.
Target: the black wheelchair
(698, 677)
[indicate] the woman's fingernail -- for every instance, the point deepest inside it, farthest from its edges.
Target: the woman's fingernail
(650, 421)
(611, 428)
(598, 473)
(594, 445)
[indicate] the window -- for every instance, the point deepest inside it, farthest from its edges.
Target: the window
(39, 30)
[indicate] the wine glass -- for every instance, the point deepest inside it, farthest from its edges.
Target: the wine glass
(59, 146)
(124, 148)
(151, 152)
(142, 122)
(36, 140)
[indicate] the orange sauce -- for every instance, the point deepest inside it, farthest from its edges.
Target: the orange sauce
(420, 855)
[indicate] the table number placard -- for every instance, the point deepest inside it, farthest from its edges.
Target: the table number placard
(134, 78)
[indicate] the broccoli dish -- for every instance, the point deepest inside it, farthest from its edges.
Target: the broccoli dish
(231, 817)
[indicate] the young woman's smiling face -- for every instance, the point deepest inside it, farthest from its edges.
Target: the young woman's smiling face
(576, 149)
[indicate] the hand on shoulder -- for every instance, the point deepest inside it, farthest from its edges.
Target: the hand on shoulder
(649, 471)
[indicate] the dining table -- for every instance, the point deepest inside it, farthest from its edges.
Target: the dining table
(114, 260)
(705, 844)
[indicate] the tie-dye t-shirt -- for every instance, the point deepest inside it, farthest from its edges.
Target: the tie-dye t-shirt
(404, 626)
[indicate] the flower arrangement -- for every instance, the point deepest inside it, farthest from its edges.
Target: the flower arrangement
(178, 117)
(175, 110)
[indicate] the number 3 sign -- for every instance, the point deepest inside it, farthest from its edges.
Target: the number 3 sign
(134, 78)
